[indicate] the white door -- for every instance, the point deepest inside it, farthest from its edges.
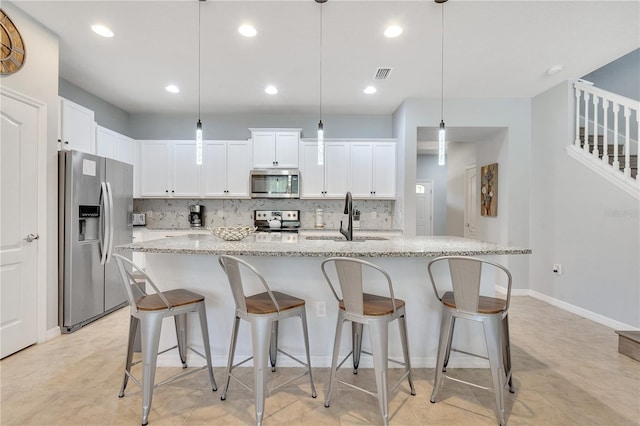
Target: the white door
(18, 197)
(424, 208)
(471, 202)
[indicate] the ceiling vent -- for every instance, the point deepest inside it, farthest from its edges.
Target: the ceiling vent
(382, 73)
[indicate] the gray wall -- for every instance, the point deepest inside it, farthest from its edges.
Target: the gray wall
(236, 127)
(38, 79)
(579, 220)
(106, 114)
(621, 76)
(427, 168)
(512, 114)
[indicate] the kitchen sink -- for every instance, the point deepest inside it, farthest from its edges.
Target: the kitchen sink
(342, 239)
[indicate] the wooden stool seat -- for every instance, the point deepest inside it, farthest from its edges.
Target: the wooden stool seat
(375, 306)
(261, 303)
(179, 297)
(486, 305)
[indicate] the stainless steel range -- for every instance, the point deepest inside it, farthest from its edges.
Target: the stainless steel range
(277, 220)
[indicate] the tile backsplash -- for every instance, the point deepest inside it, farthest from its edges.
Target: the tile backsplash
(174, 213)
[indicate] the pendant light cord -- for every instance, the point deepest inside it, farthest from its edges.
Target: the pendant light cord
(320, 85)
(442, 67)
(199, 66)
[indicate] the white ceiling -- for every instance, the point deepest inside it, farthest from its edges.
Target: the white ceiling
(491, 49)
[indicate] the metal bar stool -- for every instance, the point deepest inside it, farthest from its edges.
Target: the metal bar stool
(374, 311)
(263, 311)
(466, 302)
(148, 311)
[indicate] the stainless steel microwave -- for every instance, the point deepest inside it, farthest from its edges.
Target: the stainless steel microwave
(275, 183)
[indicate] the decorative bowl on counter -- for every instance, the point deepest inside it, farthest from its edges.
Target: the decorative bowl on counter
(232, 233)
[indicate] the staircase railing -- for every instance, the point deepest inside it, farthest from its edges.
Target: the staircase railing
(603, 120)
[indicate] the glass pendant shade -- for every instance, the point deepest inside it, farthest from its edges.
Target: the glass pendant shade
(320, 144)
(199, 142)
(441, 144)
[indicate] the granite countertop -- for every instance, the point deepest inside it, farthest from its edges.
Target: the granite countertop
(300, 246)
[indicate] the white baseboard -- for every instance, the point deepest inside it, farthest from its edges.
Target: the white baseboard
(600, 319)
(51, 333)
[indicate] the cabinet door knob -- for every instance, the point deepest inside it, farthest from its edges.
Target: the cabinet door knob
(167, 191)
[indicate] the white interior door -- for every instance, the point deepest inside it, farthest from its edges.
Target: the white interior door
(424, 208)
(18, 225)
(471, 202)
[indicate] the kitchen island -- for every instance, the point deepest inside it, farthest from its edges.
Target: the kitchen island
(291, 263)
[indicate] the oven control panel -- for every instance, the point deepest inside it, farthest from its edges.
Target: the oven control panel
(282, 215)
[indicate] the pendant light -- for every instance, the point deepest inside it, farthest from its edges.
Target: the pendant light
(199, 123)
(320, 125)
(441, 130)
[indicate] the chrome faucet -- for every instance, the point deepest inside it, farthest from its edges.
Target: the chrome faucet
(348, 210)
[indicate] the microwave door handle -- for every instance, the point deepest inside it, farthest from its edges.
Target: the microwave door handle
(289, 184)
(110, 197)
(104, 231)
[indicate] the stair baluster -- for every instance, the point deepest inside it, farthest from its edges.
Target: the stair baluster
(616, 162)
(595, 152)
(576, 142)
(586, 123)
(627, 142)
(605, 148)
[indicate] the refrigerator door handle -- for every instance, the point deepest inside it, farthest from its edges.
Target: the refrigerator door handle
(104, 237)
(111, 222)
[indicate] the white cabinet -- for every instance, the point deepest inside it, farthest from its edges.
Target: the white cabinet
(329, 180)
(275, 148)
(114, 145)
(76, 127)
(372, 170)
(169, 169)
(226, 166)
(186, 175)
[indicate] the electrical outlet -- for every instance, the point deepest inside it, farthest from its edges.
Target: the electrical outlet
(220, 213)
(374, 214)
(321, 309)
(557, 269)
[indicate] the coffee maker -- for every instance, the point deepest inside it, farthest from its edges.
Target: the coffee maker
(196, 215)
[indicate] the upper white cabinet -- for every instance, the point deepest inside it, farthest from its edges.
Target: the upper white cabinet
(226, 166)
(76, 127)
(169, 169)
(275, 148)
(372, 169)
(329, 180)
(114, 145)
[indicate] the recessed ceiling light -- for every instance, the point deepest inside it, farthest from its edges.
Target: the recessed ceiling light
(393, 31)
(272, 90)
(247, 30)
(369, 90)
(172, 88)
(555, 69)
(102, 30)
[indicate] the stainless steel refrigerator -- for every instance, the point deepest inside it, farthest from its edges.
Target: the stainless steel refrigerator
(96, 209)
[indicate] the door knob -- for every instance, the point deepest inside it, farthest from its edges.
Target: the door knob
(31, 237)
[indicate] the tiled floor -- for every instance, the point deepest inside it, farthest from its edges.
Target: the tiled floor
(567, 371)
